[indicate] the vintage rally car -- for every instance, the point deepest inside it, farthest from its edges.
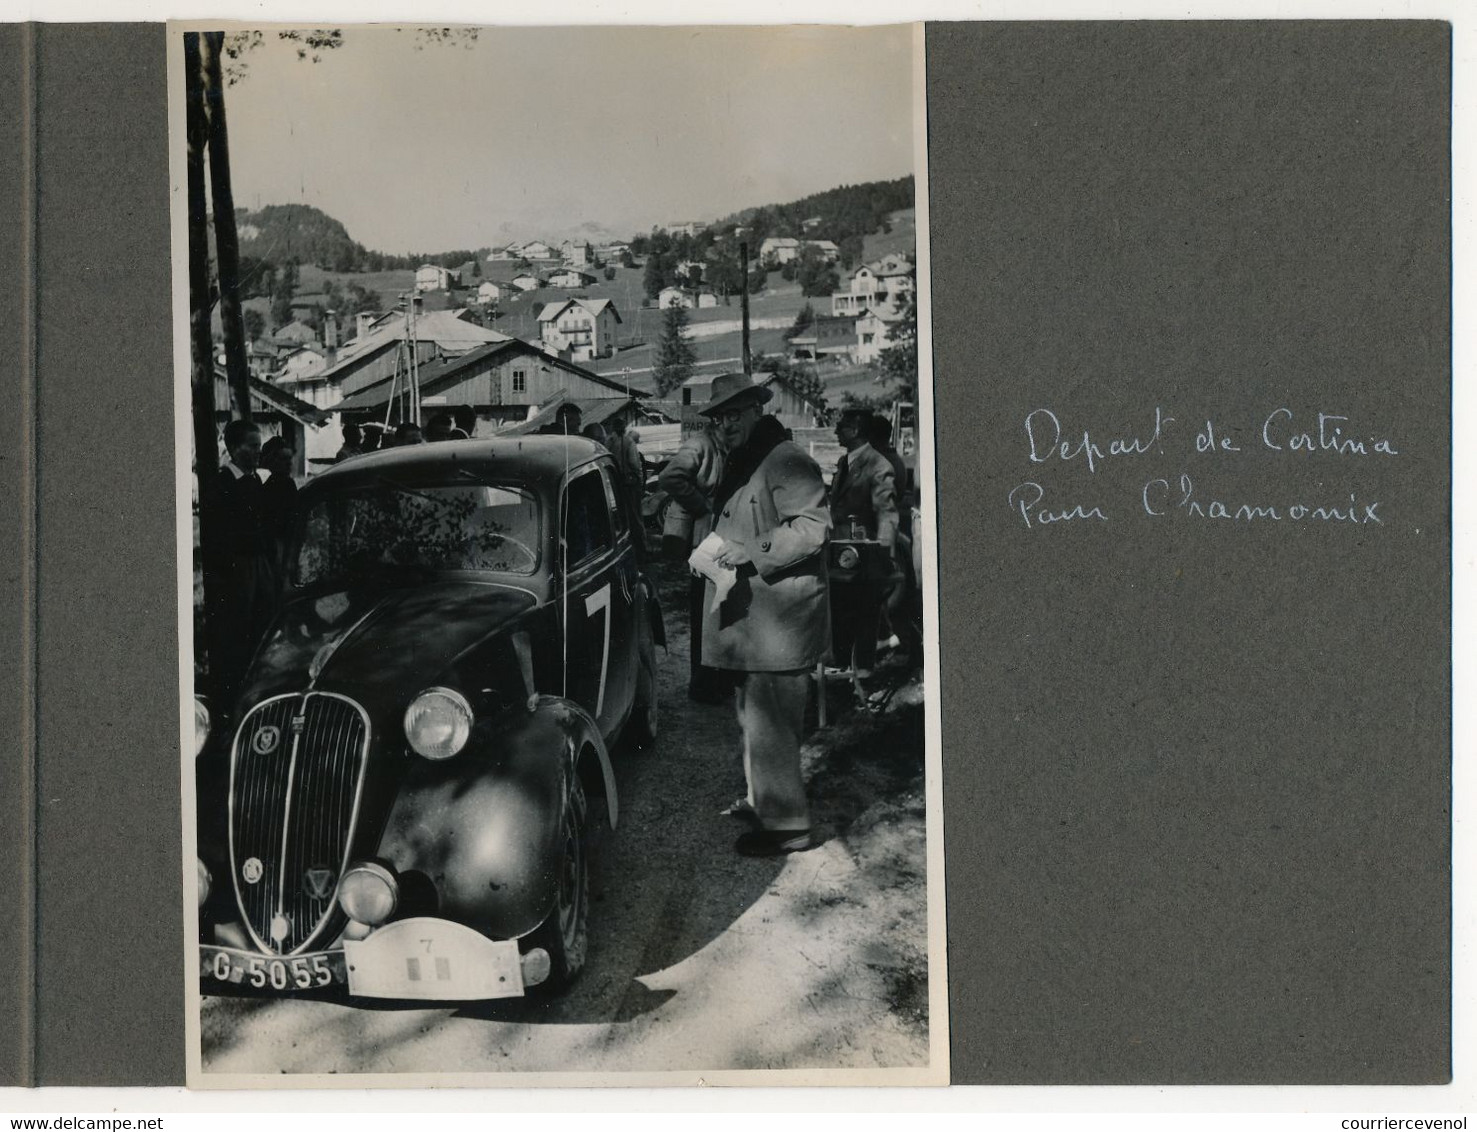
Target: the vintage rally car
(399, 801)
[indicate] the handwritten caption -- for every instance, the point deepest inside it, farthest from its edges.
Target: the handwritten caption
(1280, 435)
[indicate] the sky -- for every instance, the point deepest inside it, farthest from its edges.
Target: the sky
(531, 132)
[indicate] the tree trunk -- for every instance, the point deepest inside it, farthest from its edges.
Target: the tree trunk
(227, 257)
(202, 361)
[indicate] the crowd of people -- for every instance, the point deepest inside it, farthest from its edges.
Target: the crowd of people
(796, 600)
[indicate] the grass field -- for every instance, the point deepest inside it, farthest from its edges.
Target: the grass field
(902, 239)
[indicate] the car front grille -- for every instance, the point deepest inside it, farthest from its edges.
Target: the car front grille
(297, 768)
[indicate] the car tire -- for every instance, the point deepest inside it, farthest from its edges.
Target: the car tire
(564, 934)
(645, 712)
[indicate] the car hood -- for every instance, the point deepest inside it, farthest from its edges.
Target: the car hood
(380, 644)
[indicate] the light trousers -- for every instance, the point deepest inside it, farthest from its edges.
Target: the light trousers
(771, 712)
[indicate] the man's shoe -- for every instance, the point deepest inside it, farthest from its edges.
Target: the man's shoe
(774, 842)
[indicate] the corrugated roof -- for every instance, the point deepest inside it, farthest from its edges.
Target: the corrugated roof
(442, 374)
(269, 398)
(450, 334)
(594, 306)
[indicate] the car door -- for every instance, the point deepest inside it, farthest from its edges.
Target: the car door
(595, 601)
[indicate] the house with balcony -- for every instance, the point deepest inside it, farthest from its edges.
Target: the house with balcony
(579, 329)
(886, 284)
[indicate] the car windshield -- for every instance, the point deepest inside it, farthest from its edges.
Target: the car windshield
(387, 526)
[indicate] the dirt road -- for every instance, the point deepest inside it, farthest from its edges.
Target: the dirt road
(699, 959)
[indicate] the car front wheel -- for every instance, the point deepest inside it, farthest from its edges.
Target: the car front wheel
(565, 933)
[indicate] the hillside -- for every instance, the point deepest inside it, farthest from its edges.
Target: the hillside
(280, 233)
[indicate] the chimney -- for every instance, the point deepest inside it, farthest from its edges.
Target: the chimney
(362, 321)
(330, 330)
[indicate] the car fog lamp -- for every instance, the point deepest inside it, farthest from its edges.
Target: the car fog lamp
(202, 881)
(368, 893)
(202, 726)
(437, 723)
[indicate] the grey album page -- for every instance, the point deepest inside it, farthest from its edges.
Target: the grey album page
(1191, 318)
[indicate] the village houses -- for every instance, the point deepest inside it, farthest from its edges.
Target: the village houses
(579, 329)
(570, 277)
(685, 297)
(874, 332)
(886, 284)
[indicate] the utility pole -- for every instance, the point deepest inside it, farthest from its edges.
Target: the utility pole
(227, 255)
(744, 268)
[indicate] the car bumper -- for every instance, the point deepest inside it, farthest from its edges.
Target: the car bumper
(423, 958)
(439, 960)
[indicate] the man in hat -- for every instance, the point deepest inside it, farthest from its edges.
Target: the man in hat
(774, 624)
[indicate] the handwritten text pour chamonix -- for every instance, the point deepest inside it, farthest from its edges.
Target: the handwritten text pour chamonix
(1281, 434)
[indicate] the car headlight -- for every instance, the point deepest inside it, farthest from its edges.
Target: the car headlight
(202, 725)
(437, 723)
(368, 893)
(202, 881)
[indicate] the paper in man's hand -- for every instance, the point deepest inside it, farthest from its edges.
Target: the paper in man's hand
(704, 562)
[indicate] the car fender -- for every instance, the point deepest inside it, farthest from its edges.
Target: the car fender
(654, 613)
(484, 826)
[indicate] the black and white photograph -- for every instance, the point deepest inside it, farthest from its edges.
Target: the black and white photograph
(553, 421)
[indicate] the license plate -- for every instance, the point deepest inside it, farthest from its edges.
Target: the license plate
(290, 973)
(429, 959)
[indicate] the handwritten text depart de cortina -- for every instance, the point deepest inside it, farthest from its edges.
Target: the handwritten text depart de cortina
(1280, 435)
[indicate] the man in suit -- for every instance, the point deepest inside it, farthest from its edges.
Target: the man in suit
(236, 560)
(863, 506)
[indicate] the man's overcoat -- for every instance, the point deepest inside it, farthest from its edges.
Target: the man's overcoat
(777, 617)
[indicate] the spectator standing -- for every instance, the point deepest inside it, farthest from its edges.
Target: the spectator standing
(690, 479)
(628, 465)
(407, 433)
(464, 422)
(863, 506)
(353, 443)
(568, 421)
(772, 626)
(279, 505)
(236, 561)
(898, 625)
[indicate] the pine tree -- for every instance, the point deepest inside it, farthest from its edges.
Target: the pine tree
(674, 354)
(899, 362)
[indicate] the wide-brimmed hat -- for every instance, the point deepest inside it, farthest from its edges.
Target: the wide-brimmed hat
(730, 387)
